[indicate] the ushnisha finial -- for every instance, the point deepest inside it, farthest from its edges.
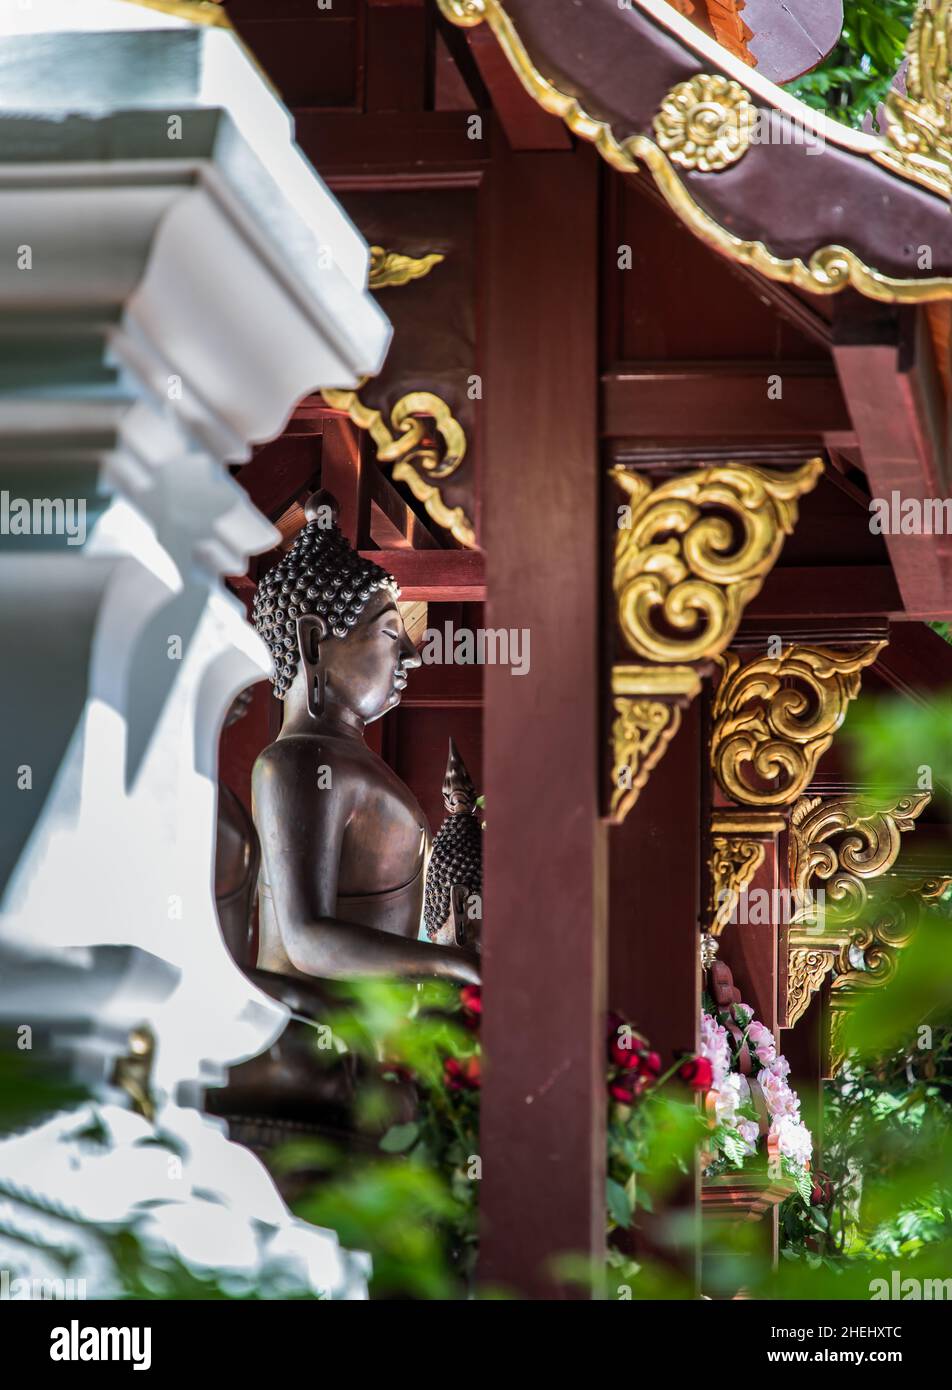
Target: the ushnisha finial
(459, 794)
(322, 509)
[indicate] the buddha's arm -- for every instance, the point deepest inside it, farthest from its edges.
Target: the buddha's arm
(302, 837)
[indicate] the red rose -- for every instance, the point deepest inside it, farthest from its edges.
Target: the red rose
(697, 1072)
(822, 1192)
(623, 1090)
(471, 1000)
(649, 1064)
(461, 1076)
(627, 1058)
(624, 1044)
(626, 1089)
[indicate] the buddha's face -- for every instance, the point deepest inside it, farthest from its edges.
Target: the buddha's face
(366, 671)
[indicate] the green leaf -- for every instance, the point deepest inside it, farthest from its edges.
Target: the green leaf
(619, 1207)
(399, 1138)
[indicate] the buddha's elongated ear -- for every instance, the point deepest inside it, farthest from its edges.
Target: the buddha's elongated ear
(312, 631)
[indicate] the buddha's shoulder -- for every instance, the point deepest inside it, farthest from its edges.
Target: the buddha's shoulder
(309, 753)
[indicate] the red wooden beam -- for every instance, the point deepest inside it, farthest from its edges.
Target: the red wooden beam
(345, 471)
(887, 367)
(527, 126)
(438, 576)
(723, 399)
(399, 148)
(395, 56)
(851, 591)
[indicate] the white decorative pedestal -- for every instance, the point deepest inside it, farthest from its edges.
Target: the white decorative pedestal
(173, 279)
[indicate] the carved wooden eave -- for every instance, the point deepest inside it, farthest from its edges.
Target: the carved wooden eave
(831, 208)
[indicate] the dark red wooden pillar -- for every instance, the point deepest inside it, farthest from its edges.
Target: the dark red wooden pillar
(655, 942)
(543, 1120)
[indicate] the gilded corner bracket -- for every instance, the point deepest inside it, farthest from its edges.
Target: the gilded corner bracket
(693, 551)
(406, 440)
(774, 718)
(724, 135)
(647, 703)
(871, 957)
(837, 847)
(738, 850)
(690, 553)
(405, 445)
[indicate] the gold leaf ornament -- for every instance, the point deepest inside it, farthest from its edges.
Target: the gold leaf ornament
(403, 444)
(696, 551)
(776, 716)
(838, 845)
(733, 863)
(389, 269)
(918, 122)
(705, 123)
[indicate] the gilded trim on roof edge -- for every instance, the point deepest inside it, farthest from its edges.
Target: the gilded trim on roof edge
(830, 268)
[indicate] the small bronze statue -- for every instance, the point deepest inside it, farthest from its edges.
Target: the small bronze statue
(343, 839)
(454, 878)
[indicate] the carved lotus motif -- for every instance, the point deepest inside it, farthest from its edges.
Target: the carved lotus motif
(706, 123)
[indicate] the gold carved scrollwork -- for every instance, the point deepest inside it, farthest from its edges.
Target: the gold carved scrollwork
(641, 732)
(734, 861)
(918, 121)
(705, 123)
(807, 968)
(388, 269)
(774, 718)
(838, 846)
(697, 550)
(647, 716)
(404, 444)
(871, 957)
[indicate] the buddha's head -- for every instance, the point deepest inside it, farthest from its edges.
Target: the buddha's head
(332, 622)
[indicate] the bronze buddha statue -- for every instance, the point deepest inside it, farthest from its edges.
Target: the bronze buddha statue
(452, 910)
(343, 839)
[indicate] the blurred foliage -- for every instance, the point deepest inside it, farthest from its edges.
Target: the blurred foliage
(31, 1091)
(858, 73)
(414, 1207)
(882, 1198)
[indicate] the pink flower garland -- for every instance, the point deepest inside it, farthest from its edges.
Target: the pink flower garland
(736, 1136)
